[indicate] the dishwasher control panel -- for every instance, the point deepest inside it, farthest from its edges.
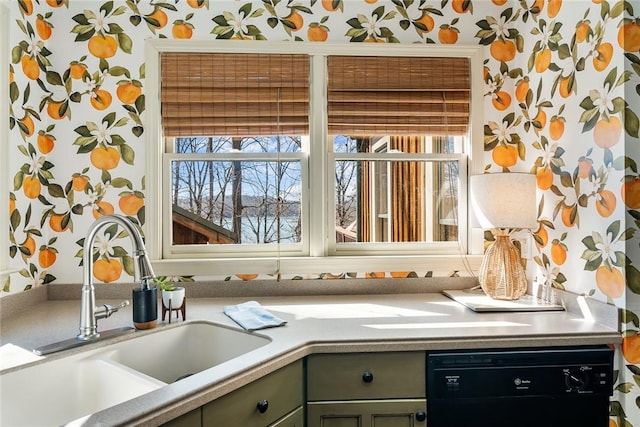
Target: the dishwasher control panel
(520, 381)
(586, 379)
(519, 373)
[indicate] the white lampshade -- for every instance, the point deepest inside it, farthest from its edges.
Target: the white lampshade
(504, 200)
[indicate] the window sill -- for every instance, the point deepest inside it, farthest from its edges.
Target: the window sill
(440, 265)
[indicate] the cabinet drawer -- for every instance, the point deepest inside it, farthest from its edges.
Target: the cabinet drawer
(282, 390)
(399, 375)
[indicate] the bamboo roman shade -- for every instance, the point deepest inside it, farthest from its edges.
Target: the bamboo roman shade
(242, 95)
(226, 94)
(398, 95)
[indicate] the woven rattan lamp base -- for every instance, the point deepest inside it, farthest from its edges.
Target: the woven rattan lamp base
(502, 275)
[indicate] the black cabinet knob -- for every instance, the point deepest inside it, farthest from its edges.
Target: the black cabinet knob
(367, 377)
(421, 416)
(262, 406)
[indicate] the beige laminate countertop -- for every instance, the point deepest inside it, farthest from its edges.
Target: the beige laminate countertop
(316, 324)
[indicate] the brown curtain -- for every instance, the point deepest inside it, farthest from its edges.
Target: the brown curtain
(398, 95)
(407, 192)
(225, 94)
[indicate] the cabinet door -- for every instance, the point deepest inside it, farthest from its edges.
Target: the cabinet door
(368, 413)
(294, 419)
(259, 403)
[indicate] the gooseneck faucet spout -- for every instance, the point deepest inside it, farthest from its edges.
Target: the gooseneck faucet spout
(89, 313)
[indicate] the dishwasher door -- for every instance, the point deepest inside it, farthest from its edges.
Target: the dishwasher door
(537, 387)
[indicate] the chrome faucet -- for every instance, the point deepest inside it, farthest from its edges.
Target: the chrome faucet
(89, 312)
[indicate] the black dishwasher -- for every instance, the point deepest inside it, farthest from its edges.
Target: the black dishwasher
(525, 387)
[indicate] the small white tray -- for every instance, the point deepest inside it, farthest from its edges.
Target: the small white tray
(477, 300)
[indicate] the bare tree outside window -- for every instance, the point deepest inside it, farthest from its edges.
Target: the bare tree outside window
(256, 201)
(345, 172)
(193, 182)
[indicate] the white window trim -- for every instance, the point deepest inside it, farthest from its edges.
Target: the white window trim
(4, 140)
(462, 259)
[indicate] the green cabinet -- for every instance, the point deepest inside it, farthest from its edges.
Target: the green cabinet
(342, 390)
(367, 413)
(292, 419)
(366, 390)
(274, 400)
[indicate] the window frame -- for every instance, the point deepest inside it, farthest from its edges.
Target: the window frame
(4, 141)
(461, 256)
(404, 248)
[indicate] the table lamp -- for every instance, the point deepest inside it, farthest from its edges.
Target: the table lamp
(503, 202)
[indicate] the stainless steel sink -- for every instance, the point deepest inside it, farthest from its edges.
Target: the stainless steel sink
(70, 388)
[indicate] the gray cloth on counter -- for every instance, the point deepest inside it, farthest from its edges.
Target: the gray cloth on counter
(252, 316)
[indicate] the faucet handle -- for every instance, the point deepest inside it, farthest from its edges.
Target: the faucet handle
(123, 304)
(107, 310)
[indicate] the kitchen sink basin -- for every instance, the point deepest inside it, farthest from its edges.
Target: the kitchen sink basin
(70, 388)
(66, 389)
(172, 354)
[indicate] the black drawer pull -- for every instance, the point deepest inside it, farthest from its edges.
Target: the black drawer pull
(421, 416)
(367, 377)
(262, 406)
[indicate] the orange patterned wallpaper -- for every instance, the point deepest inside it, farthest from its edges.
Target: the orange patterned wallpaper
(561, 100)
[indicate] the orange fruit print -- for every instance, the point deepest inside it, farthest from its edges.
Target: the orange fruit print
(107, 271)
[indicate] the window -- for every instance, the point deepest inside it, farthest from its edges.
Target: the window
(236, 131)
(303, 158)
(396, 110)
(409, 189)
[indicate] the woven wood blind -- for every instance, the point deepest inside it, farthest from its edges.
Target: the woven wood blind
(222, 94)
(398, 95)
